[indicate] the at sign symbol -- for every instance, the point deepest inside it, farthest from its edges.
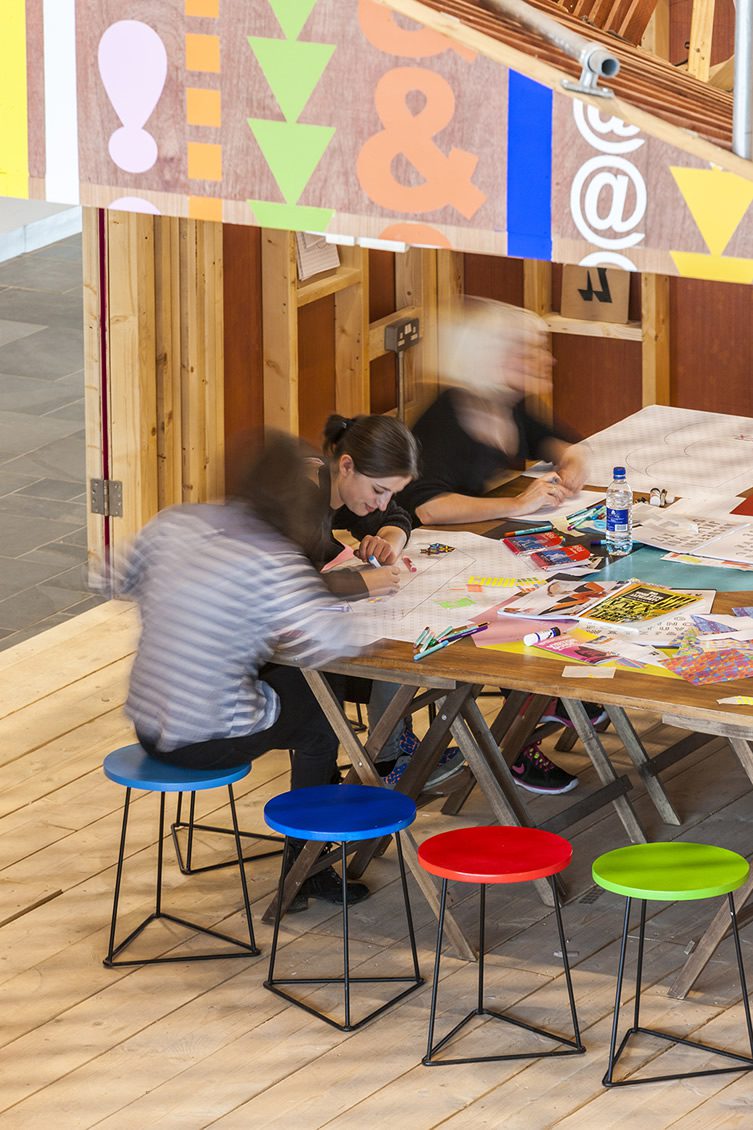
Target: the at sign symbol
(601, 200)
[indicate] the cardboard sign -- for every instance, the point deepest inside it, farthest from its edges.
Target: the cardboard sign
(595, 294)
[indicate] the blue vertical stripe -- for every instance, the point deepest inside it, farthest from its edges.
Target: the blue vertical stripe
(529, 168)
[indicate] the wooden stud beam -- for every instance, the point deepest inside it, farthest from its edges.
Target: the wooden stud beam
(630, 331)
(655, 339)
(324, 285)
(280, 330)
(701, 34)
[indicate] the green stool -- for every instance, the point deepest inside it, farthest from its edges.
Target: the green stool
(667, 873)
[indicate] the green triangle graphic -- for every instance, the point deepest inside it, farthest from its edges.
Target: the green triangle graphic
(292, 15)
(290, 217)
(292, 152)
(291, 69)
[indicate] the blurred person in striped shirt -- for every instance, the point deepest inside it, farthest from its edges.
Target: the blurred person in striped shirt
(231, 609)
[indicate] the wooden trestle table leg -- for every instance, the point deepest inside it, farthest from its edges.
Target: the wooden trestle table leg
(603, 767)
(720, 923)
(642, 762)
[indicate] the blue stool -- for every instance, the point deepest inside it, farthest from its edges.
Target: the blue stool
(134, 769)
(341, 814)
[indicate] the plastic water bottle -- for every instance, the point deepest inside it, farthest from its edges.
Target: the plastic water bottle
(619, 531)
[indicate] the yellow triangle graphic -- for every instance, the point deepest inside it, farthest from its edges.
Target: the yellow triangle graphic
(716, 268)
(717, 200)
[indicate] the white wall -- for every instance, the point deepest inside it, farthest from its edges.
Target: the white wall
(26, 225)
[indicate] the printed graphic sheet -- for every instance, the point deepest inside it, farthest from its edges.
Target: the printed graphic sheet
(438, 594)
(684, 451)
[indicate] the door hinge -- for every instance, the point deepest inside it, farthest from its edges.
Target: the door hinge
(106, 497)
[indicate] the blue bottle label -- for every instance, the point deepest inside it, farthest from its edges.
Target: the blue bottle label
(617, 521)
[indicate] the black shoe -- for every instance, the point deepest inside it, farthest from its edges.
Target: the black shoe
(327, 886)
(532, 770)
(299, 903)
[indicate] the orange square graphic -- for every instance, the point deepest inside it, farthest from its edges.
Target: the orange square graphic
(203, 53)
(205, 208)
(204, 161)
(209, 8)
(203, 107)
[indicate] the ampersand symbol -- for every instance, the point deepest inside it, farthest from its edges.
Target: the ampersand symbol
(447, 178)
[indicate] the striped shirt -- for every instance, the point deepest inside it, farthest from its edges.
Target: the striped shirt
(219, 594)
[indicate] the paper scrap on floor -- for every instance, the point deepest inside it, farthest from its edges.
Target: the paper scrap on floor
(737, 700)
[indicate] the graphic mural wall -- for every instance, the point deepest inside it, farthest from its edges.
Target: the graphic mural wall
(341, 116)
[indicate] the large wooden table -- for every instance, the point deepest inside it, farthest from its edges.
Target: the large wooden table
(455, 676)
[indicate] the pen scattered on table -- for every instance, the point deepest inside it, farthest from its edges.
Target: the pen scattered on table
(427, 643)
(409, 565)
(542, 529)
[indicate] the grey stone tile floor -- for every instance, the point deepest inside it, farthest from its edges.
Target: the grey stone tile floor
(42, 477)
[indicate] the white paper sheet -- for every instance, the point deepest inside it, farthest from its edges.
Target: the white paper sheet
(558, 514)
(684, 451)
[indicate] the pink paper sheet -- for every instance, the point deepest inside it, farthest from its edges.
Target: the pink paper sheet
(511, 629)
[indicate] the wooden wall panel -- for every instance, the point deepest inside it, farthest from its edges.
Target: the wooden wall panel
(711, 346)
(316, 367)
(596, 381)
(244, 377)
(490, 277)
(382, 301)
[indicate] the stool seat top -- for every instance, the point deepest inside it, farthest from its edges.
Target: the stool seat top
(339, 812)
(495, 853)
(670, 872)
(133, 767)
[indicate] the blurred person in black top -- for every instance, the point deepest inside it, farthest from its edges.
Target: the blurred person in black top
(495, 357)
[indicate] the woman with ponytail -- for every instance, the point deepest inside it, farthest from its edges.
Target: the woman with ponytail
(367, 460)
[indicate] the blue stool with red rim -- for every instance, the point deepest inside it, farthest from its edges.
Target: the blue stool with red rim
(132, 768)
(496, 854)
(341, 814)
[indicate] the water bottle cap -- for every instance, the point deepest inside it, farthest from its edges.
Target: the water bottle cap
(619, 472)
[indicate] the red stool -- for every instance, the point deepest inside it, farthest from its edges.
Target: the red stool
(496, 854)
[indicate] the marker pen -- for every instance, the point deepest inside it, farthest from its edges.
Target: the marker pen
(539, 637)
(373, 561)
(543, 529)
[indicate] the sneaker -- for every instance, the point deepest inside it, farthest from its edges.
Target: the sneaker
(597, 714)
(532, 770)
(327, 886)
(408, 740)
(450, 763)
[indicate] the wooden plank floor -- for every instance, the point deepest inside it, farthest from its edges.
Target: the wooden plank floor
(205, 1045)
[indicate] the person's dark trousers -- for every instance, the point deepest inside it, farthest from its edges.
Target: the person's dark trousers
(300, 727)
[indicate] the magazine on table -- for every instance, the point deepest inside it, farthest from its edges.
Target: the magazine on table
(558, 600)
(636, 602)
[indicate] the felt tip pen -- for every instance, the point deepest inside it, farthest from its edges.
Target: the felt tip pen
(409, 565)
(431, 650)
(539, 637)
(585, 510)
(468, 632)
(425, 635)
(373, 561)
(543, 529)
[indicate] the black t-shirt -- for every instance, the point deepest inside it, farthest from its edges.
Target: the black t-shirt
(323, 546)
(452, 462)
